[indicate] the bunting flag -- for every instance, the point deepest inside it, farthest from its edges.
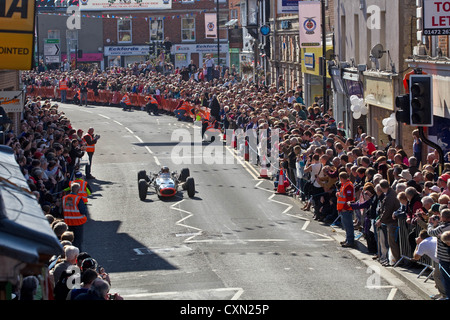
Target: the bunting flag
(102, 16)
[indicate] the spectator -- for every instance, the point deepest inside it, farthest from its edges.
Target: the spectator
(426, 245)
(29, 288)
(386, 223)
(436, 228)
(70, 259)
(87, 278)
(98, 290)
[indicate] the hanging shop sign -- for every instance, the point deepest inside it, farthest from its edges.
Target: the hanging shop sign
(17, 34)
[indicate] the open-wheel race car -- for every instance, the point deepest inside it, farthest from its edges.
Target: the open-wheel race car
(165, 183)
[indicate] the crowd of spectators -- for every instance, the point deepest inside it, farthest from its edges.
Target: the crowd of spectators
(313, 151)
(48, 150)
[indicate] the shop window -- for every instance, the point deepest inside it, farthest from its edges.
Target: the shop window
(124, 34)
(156, 30)
(188, 29)
(53, 34)
(72, 39)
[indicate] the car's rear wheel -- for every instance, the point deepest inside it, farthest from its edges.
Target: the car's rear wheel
(143, 187)
(190, 187)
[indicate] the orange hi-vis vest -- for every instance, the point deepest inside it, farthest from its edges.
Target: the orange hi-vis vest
(152, 100)
(211, 125)
(72, 215)
(89, 147)
(63, 85)
(342, 199)
(83, 189)
(126, 100)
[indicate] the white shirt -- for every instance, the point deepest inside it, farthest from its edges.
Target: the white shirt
(315, 169)
(428, 247)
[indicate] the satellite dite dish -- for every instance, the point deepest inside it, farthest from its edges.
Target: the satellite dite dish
(377, 51)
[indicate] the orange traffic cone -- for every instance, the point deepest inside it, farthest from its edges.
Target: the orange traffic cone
(263, 170)
(281, 188)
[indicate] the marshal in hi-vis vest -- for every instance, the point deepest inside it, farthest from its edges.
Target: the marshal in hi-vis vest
(89, 147)
(72, 215)
(342, 199)
(83, 189)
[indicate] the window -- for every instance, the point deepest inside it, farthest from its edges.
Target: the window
(53, 34)
(188, 29)
(72, 39)
(124, 30)
(60, 3)
(156, 30)
(233, 14)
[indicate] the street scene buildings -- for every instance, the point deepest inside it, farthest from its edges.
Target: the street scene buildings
(365, 81)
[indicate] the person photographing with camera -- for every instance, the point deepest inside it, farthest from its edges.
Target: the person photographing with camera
(90, 140)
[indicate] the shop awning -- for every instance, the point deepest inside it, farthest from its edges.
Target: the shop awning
(231, 23)
(25, 233)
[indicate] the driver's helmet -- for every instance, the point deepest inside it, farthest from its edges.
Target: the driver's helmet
(165, 170)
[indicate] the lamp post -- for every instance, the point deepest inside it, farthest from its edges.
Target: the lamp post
(324, 59)
(252, 28)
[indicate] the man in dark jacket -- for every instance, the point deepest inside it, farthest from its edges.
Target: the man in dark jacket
(214, 105)
(387, 207)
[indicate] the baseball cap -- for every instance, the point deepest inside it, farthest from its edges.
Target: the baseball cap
(436, 189)
(435, 207)
(445, 177)
(78, 174)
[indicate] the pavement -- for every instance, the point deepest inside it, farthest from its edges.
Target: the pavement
(415, 278)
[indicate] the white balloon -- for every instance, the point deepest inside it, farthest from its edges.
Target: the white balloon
(357, 115)
(388, 130)
(392, 115)
(384, 122)
(391, 122)
(394, 134)
(360, 102)
(364, 110)
(357, 108)
(353, 98)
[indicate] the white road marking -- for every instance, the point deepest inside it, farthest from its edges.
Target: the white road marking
(165, 295)
(101, 115)
(118, 123)
(129, 130)
(392, 294)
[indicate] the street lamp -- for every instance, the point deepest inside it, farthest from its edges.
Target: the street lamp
(252, 28)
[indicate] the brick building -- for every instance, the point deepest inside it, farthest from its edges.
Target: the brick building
(128, 35)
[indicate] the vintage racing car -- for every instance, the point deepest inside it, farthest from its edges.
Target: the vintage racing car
(165, 183)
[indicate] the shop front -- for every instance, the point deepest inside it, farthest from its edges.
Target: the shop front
(86, 62)
(312, 78)
(379, 95)
(184, 53)
(123, 56)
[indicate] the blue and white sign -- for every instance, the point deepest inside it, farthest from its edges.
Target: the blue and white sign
(287, 6)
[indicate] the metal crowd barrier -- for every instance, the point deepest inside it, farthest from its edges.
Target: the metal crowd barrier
(405, 231)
